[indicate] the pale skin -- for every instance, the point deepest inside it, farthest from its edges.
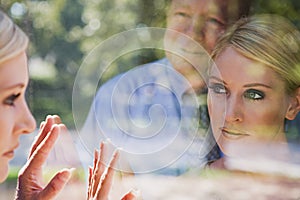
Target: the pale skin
(16, 119)
(247, 102)
(30, 184)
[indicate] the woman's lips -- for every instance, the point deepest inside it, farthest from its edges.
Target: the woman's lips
(232, 134)
(10, 154)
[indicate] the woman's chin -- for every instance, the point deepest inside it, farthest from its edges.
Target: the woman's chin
(3, 171)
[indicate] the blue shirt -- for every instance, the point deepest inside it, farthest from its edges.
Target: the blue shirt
(149, 114)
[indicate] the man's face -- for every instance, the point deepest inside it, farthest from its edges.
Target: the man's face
(201, 22)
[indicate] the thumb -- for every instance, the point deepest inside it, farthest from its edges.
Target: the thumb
(56, 184)
(132, 195)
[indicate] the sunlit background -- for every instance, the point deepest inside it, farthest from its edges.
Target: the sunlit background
(63, 32)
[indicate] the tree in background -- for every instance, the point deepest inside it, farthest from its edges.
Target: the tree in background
(63, 32)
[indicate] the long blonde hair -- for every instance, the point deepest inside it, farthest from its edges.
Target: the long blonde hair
(13, 40)
(269, 39)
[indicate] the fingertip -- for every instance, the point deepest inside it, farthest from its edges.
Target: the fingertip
(63, 126)
(90, 170)
(114, 159)
(108, 141)
(48, 117)
(42, 124)
(66, 174)
(132, 194)
(105, 143)
(136, 192)
(96, 157)
(56, 184)
(101, 145)
(72, 169)
(53, 119)
(116, 153)
(57, 119)
(96, 153)
(120, 148)
(55, 127)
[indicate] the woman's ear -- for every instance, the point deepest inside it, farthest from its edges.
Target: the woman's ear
(294, 107)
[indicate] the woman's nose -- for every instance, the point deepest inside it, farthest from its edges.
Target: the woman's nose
(233, 110)
(26, 122)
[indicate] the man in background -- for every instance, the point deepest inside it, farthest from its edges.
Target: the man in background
(131, 117)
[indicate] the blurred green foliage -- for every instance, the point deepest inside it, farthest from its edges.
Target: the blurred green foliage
(62, 33)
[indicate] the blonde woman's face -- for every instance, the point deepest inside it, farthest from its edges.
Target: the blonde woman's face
(15, 117)
(247, 102)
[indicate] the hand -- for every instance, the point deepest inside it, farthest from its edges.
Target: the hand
(30, 176)
(101, 176)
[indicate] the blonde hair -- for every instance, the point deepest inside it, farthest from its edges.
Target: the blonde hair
(13, 40)
(269, 39)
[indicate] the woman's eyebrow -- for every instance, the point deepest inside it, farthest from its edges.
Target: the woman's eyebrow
(257, 85)
(18, 85)
(216, 78)
(246, 86)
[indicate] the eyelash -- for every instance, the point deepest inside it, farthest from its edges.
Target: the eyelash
(256, 93)
(251, 94)
(11, 99)
(216, 87)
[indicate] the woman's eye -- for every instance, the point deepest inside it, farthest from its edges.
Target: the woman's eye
(11, 99)
(218, 88)
(254, 94)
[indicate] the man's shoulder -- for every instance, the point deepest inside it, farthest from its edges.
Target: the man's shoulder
(132, 77)
(147, 68)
